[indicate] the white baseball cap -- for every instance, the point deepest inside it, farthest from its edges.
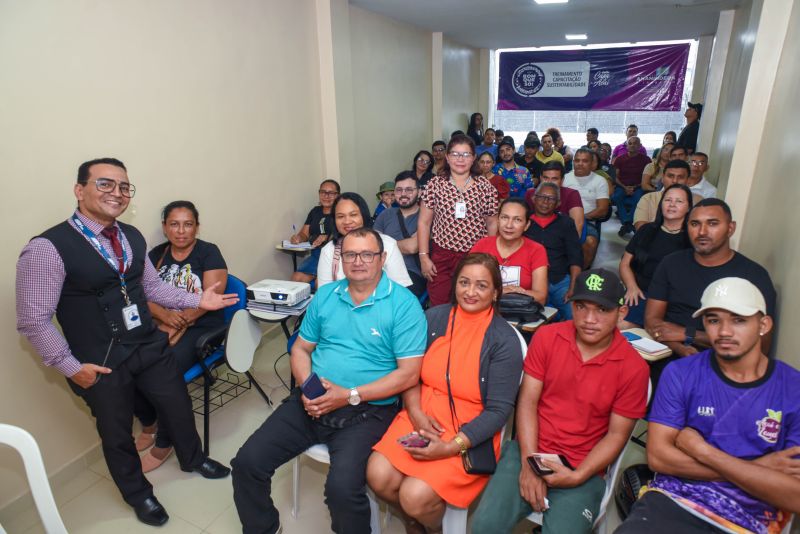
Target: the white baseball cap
(732, 294)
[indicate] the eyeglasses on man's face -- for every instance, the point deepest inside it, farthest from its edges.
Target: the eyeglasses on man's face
(367, 256)
(107, 185)
(545, 198)
(402, 190)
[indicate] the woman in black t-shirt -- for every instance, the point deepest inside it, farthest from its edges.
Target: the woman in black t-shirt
(191, 264)
(317, 230)
(654, 241)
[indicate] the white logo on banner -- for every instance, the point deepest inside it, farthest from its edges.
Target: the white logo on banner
(557, 79)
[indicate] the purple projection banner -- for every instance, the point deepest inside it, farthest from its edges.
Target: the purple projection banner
(641, 78)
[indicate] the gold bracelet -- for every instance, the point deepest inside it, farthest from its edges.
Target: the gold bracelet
(462, 445)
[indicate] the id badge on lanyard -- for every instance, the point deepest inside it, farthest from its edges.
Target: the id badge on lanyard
(461, 210)
(130, 313)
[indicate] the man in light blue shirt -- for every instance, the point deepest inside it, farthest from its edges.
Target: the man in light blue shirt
(364, 336)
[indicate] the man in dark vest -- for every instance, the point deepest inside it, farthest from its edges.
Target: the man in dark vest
(93, 274)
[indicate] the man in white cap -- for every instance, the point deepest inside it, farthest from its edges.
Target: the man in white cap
(724, 432)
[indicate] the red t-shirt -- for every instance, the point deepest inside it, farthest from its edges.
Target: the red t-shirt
(578, 397)
(570, 198)
(630, 169)
(530, 256)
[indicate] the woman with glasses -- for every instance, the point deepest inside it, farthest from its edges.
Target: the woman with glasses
(350, 211)
(316, 230)
(422, 165)
(650, 244)
(191, 264)
(523, 262)
(474, 354)
(457, 210)
(484, 168)
(654, 171)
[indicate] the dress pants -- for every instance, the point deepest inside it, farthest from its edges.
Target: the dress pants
(185, 355)
(151, 370)
(287, 433)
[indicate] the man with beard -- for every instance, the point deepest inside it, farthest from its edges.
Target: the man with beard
(518, 177)
(723, 436)
(682, 276)
(400, 223)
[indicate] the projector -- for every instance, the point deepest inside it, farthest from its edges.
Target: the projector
(283, 292)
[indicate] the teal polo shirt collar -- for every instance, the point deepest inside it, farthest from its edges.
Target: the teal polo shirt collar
(382, 290)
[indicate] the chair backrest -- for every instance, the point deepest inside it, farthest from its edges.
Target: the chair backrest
(26, 446)
(235, 285)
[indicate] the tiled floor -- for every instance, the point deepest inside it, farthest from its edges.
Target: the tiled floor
(90, 503)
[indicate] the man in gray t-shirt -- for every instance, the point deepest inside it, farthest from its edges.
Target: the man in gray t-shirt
(401, 224)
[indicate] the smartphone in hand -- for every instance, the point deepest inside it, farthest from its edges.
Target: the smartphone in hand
(413, 440)
(535, 461)
(312, 387)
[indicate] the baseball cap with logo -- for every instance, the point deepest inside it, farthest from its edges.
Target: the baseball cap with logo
(732, 294)
(600, 286)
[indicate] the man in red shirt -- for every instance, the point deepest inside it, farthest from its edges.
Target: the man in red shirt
(629, 168)
(583, 389)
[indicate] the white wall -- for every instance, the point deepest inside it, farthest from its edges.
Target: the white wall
(769, 235)
(391, 80)
(199, 98)
(460, 93)
(737, 70)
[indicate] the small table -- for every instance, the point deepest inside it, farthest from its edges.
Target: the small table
(548, 312)
(294, 251)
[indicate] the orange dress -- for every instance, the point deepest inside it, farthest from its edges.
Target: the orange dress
(446, 476)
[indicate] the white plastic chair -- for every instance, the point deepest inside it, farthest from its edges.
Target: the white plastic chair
(26, 446)
(601, 521)
(319, 453)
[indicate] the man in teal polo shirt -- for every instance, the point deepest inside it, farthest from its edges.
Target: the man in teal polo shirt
(364, 336)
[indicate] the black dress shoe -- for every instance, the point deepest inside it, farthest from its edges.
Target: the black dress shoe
(150, 512)
(211, 469)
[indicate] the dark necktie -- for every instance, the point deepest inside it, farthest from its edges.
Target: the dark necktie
(110, 233)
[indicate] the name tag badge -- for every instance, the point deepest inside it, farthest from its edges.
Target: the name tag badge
(130, 314)
(510, 274)
(461, 210)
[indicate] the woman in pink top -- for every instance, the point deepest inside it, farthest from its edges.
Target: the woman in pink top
(523, 262)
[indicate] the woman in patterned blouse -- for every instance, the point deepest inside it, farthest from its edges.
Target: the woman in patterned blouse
(457, 209)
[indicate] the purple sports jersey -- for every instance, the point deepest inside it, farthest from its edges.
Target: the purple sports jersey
(743, 420)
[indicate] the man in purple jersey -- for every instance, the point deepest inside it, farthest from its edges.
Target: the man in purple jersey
(724, 432)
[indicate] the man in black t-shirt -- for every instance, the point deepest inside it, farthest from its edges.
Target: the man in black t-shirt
(679, 281)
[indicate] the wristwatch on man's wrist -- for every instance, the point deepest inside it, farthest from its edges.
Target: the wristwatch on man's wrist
(354, 399)
(690, 333)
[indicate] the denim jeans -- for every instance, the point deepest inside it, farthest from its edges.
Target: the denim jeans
(555, 299)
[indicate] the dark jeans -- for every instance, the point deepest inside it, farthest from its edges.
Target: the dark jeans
(287, 433)
(151, 371)
(656, 513)
(626, 204)
(420, 284)
(185, 356)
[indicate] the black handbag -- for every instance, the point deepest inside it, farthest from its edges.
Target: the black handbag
(520, 308)
(478, 459)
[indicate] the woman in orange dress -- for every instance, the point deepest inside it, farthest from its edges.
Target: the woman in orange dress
(485, 364)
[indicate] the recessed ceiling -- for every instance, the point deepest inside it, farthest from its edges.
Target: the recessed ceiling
(523, 23)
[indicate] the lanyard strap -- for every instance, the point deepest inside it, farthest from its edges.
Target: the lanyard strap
(92, 237)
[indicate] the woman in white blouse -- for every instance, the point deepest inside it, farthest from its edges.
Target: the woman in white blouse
(350, 211)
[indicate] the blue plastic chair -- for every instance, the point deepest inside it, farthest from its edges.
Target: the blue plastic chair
(211, 354)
